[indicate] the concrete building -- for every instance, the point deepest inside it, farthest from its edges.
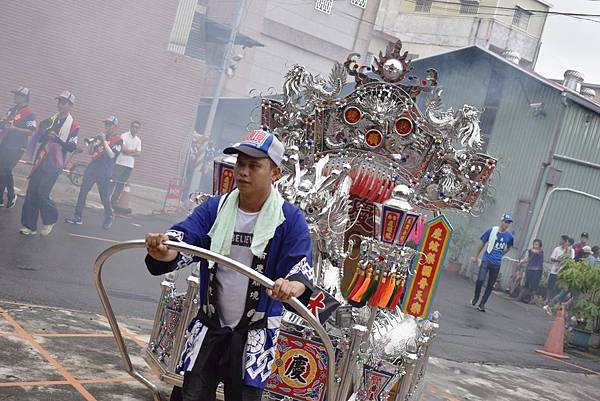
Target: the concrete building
(430, 27)
(296, 33)
(115, 57)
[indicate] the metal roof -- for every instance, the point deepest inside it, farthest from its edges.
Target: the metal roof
(571, 94)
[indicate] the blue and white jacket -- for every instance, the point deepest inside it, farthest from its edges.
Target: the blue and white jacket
(288, 255)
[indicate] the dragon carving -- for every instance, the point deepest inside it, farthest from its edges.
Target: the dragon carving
(462, 124)
(302, 91)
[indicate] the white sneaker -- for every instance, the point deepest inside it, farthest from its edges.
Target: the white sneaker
(46, 229)
(27, 231)
(12, 202)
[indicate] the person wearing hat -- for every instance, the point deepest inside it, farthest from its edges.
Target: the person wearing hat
(578, 247)
(15, 128)
(48, 147)
(497, 242)
(104, 149)
(253, 225)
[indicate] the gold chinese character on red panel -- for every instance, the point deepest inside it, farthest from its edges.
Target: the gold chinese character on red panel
(434, 246)
(416, 308)
(437, 234)
(426, 270)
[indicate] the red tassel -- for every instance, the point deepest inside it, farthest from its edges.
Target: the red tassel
(375, 298)
(388, 194)
(361, 185)
(384, 190)
(356, 184)
(374, 193)
(396, 299)
(365, 190)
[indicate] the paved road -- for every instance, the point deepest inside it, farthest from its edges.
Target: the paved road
(508, 333)
(58, 271)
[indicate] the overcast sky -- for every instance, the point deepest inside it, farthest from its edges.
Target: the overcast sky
(570, 43)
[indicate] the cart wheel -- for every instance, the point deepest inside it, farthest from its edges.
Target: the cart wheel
(75, 173)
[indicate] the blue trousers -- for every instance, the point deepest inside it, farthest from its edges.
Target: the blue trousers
(490, 270)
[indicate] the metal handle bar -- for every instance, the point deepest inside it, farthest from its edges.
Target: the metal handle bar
(222, 261)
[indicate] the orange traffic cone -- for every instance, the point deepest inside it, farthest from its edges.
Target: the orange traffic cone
(554, 343)
(124, 199)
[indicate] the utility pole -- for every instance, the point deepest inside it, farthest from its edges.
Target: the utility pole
(223, 72)
(214, 105)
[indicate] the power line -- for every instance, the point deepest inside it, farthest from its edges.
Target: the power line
(499, 11)
(549, 12)
(280, 5)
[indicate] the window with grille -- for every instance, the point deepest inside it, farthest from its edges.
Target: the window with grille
(423, 6)
(521, 18)
(469, 6)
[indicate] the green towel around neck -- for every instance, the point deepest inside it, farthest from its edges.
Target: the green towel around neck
(270, 217)
(492, 239)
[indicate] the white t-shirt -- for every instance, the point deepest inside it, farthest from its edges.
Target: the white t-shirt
(232, 287)
(129, 142)
(556, 253)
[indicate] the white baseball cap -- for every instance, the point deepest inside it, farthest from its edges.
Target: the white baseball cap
(67, 96)
(259, 143)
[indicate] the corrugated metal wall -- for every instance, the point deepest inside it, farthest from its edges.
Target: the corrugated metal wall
(581, 138)
(569, 213)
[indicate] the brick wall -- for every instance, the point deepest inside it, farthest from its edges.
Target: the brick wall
(112, 55)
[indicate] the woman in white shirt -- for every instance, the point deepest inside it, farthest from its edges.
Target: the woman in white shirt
(563, 251)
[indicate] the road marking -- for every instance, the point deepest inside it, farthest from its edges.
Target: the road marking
(128, 334)
(571, 364)
(37, 383)
(95, 238)
(53, 361)
(82, 381)
(115, 380)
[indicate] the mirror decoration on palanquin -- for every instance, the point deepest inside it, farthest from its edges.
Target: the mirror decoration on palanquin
(366, 166)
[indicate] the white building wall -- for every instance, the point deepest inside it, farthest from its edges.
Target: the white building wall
(293, 32)
(444, 28)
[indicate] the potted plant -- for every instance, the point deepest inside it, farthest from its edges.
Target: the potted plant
(583, 281)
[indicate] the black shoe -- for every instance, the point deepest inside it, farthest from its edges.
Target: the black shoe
(12, 202)
(107, 223)
(75, 220)
(473, 302)
(481, 308)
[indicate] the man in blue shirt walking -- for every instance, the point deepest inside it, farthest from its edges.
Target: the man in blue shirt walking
(497, 241)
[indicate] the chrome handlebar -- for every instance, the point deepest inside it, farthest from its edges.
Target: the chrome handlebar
(222, 261)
